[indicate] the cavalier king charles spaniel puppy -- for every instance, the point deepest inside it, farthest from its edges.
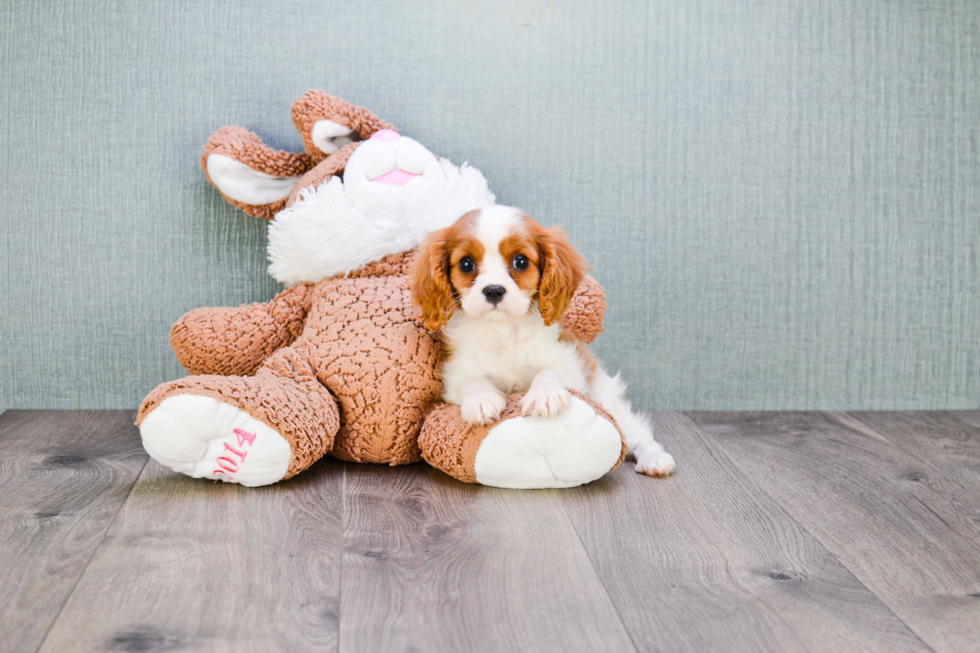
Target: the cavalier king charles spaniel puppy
(496, 283)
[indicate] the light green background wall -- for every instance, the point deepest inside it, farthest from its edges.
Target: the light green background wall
(782, 199)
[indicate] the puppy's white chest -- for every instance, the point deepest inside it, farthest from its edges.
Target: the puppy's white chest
(508, 353)
(513, 340)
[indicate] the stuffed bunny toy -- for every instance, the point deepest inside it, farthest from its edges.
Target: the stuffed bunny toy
(340, 362)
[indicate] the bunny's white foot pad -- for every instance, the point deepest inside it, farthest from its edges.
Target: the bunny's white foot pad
(575, 446)
(206, 438)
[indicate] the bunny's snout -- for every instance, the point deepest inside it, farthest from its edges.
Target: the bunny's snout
(385, 136)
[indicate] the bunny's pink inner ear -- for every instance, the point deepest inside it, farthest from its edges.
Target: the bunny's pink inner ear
(241, 183)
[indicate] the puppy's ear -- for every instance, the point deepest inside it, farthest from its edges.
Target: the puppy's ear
(431, 287)
(562, 270)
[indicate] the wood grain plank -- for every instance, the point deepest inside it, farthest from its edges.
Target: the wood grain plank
(706, 561)
(63, 477)
(202, 566)
(946, 440)
(884, 513)
(971, 417)
(431, 564)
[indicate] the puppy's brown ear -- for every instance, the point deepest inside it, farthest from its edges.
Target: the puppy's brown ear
(562, 270)
(431, 287)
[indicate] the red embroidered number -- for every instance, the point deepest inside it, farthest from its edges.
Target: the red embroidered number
(228, 465)
(240, 454)
(244, 436)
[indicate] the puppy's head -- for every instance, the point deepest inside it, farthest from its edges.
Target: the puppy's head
(495, 263)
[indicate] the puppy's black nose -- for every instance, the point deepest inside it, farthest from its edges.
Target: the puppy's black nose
(494, 294)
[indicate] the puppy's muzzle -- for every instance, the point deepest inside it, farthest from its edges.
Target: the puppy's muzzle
(494, 294)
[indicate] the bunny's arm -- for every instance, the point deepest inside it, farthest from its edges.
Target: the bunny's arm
(235, 341)
(582, 320)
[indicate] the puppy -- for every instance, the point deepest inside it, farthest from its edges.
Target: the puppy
(496, 283)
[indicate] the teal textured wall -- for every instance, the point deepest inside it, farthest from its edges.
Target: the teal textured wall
(782, 199)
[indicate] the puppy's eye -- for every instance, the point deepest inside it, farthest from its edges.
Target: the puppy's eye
(520, 262)
(467, 265)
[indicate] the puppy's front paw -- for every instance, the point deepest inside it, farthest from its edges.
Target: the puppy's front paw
(545, 400)
(655, 463)
(482, 407)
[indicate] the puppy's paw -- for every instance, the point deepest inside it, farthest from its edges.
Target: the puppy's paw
(545, 400)
(482, 407)
(655, 463)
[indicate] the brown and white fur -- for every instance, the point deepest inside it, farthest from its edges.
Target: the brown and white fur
(496, 283)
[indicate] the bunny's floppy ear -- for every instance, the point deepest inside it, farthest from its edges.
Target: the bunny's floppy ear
(262, 181)
(327, 123)
(250, 174)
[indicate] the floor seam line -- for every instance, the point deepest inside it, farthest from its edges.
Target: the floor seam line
(602, 582)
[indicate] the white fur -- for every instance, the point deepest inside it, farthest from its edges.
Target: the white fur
(482, 402)
(503, 351)
(347, 223)
(507, 353)
(547, 395)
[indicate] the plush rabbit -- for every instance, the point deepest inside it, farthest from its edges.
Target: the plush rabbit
(339, 362)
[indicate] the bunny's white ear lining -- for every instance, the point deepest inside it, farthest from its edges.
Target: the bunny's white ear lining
(329, 136)
(243, 184)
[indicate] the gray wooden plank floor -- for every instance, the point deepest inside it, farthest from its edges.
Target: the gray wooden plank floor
(705, 560)
(203, 566)
(885, 513)
(781, 532)
(431, 564)
(63, 478)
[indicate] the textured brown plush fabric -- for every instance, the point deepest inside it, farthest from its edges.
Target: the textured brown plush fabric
(582, 320)
(372, 353)
(235, 341)
(316, 105)
(450, 444)
(393, 264)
